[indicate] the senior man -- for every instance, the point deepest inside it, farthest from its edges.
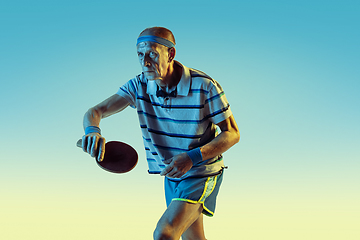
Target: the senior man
(186, 125)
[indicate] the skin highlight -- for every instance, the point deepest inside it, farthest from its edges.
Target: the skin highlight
(157, 61)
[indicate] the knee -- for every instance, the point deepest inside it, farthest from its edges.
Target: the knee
(163, 233)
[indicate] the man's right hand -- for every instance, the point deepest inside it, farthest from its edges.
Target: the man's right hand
(94, 144)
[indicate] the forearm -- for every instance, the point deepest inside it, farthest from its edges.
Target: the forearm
(228, 137)
(219, 145)
(110, 106)
(93, 143)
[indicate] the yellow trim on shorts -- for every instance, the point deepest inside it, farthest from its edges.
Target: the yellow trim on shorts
(206, 211)
(206, 187)
(202, 198)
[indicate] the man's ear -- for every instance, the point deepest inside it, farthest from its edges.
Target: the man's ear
(172, 53)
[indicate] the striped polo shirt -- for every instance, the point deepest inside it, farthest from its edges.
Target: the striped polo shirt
(173, 125)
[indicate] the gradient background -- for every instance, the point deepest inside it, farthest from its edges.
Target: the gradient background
(290, 70)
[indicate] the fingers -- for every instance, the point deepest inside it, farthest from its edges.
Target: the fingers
(101, 149)
(171, 170)
(168, 167)
(167, 161)
(83, 143)
(178, 166)
(175, 174)
(89, 144)
(94, 144)
(165, 171)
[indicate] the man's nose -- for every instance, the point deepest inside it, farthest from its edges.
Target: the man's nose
(146, 62)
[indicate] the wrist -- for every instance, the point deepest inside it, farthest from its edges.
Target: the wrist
(195, 155)
(92, 129)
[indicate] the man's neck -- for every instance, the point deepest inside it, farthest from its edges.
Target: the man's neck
(173, 78)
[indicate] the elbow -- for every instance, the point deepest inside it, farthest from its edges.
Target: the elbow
(237, 137)
(234, 138)
(92, 115)
(94, 112)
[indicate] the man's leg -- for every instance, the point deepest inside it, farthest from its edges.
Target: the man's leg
(178, 218)
(195, 231)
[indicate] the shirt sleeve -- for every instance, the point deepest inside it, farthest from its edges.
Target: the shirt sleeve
(216, 104)
(129, 91)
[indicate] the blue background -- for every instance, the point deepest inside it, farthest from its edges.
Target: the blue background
(290, 70)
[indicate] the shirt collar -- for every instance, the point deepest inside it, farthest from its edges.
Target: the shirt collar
(183, 86)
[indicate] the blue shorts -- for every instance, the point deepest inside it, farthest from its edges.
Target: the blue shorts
(194, 190)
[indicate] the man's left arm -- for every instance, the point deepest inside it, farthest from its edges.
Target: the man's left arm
(229, 136)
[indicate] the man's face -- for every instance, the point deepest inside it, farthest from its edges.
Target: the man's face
(154, 60)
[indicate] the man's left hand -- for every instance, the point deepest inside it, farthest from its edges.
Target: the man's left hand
(177, 166)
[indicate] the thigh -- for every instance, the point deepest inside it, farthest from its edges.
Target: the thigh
(178, 217)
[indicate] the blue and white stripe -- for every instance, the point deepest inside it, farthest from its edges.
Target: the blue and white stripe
(174, 125)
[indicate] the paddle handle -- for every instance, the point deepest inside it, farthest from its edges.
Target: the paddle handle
(79, 143)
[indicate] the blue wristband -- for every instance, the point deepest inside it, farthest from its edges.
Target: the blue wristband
(92, 129)
(195, 155)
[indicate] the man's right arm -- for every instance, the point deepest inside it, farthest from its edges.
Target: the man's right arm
(93, 142)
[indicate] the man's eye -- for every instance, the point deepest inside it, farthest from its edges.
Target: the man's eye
(152, 54)
(140, 54)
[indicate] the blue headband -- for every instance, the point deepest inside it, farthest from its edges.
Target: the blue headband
(155, 39)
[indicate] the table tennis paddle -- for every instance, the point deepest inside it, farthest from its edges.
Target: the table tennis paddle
(119, 157)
